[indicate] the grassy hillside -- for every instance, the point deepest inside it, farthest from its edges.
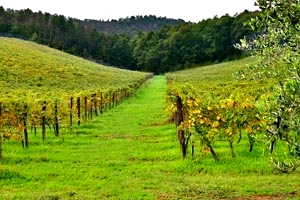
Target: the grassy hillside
(220, 80)
(26, 66)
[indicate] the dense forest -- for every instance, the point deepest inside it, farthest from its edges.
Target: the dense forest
(132, 25)
(144, 43)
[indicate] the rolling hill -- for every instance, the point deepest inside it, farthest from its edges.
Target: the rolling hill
(27, 66)
(41, 86)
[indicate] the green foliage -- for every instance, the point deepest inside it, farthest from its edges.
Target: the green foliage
(188, 45)
(277, 47)
(216, 106)
(273, 111)
(132, 25)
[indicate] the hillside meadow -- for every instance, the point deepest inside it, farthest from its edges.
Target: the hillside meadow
(27, 66)
(221, 79)
(132, 151)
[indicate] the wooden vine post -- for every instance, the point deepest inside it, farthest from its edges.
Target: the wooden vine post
(94, 97)
(104, 101)
(113, 99)
(25, 126)
(44, 121)
(85, 108)
(110, 100)
(118, 96)
(78, 110)
(56, 119)
(101, 103)
(91, 107)
(71, 111)
(178, 118)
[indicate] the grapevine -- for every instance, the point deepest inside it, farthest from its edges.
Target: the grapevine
(218, 118)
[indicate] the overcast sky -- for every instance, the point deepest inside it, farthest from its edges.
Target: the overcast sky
(188, 10)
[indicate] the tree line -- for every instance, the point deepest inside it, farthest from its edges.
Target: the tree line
(132, 25)
(174, 45)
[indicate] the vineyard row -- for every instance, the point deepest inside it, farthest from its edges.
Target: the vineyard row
(225, 117)
(16, 115)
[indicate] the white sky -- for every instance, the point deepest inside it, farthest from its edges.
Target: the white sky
(188, 10)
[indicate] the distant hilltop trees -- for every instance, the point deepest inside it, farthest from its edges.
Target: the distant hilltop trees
(132, 25)
(144, 43)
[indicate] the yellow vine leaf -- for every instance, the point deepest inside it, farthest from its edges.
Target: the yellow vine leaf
(230, 103)
(197, 111)
(202, 121)
(215, 124)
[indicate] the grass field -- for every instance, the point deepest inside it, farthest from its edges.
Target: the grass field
(27, 66)
(220, 79)
(132, 152)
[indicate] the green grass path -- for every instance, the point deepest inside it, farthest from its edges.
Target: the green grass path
(136, 115)
(136, 146)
